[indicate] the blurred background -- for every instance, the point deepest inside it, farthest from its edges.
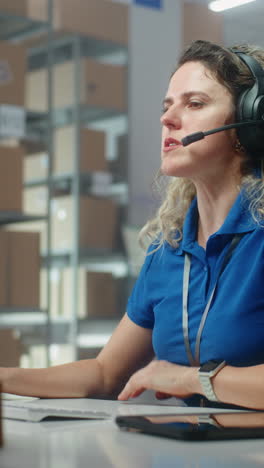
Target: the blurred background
(81, 87)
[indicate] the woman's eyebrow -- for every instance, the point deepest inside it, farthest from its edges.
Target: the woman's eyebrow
(195, 93)
(186, 95)
(167, 100)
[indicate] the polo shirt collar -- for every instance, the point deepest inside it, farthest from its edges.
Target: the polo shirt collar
(238, 220)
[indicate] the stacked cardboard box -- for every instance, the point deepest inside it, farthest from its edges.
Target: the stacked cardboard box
(35, 9)
(36, 227)
(11, 163)
(12, 74)
(11, 348)
(102, 86)
(92, 150)
(77, 16)
(35, 166)
(87, 18)
(35, 200)
(98, 223)
(19, 269)
(101, 294)
(92, 144)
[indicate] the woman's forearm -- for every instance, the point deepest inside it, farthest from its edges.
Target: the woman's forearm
(243, 386)
(129, 348)
(74, 380)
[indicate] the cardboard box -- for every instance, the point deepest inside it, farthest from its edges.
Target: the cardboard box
(21, 260)
(11, 348)
(35, 166)
(11, 178)
(38, 227)
(92, 303)
(35, 200)
(98, 223)
(24, 260)
(12, 74)
(67, 292)
(195, 17)
(87, 18)
(102, 85)
(92, 150)
(17, 7)
(98, 18)
(36, 90)
(106, 304)
(35, 9)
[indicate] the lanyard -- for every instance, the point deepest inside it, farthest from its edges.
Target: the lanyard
(194, 361)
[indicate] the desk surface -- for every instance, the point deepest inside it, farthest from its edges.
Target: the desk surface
(78, 444)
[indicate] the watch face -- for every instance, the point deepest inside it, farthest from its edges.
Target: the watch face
(210, 365)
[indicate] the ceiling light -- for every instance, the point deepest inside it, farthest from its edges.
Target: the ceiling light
(221, 5)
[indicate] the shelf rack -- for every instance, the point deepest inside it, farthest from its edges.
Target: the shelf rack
(55, 49)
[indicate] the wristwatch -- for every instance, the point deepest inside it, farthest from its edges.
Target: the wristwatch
(206, 372)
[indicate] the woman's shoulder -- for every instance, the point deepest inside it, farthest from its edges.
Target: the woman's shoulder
(160, 251)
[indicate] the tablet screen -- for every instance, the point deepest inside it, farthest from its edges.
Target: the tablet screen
(210, 426)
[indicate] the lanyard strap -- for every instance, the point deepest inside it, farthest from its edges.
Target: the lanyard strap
(194, 361)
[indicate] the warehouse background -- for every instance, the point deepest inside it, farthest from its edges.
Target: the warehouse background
(81, 86)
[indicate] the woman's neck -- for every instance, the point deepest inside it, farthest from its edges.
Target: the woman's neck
(214, 203)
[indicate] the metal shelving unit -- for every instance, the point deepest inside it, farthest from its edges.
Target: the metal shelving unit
(39, 129)
(80, 331)
(10, 217)
(25, 319)
(17, 28)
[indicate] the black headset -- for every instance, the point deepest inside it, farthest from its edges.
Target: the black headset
(250, 107)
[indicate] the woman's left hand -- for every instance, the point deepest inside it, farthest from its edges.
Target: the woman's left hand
(165, 378)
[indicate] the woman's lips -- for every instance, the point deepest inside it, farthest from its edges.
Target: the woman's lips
(171, 144)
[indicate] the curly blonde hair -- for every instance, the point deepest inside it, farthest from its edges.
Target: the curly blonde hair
(229, 70)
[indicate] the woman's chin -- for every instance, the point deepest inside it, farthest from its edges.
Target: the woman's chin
(170, 168)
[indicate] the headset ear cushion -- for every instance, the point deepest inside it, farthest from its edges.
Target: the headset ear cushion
(258, 108)
(250, 107)
(252, 137)
(240, 106)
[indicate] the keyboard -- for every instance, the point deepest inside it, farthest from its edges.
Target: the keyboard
(36, 411)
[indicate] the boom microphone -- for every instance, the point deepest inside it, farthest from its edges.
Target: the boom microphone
(200, 135)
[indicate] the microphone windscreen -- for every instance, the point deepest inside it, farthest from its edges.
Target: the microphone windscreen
(192, 138)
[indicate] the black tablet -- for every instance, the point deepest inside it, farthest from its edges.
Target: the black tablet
(210, 426)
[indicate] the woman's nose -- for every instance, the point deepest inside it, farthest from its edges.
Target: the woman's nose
(170, 120)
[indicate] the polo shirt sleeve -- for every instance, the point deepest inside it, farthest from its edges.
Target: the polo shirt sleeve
(139, 306)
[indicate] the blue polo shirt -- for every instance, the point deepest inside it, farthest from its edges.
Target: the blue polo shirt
(234, 327)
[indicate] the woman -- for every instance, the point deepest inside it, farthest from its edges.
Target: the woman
(198, 297)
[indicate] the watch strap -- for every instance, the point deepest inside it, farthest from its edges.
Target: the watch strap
(205, 381)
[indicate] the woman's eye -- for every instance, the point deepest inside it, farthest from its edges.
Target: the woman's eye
(195, 104)
(164, 110)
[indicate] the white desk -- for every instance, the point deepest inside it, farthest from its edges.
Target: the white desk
(100, 444)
